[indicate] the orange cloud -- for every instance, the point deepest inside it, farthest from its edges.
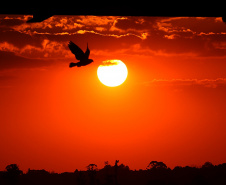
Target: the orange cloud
(97, 20)
(71, 25)
(50, 49)
(180, 36)
(209, 83)
(5, 46)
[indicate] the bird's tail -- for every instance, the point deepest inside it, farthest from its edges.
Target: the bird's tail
(72, 64)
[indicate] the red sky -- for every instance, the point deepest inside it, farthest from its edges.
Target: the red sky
(172, 107)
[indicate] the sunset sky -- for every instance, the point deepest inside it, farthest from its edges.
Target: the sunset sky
(171, 108)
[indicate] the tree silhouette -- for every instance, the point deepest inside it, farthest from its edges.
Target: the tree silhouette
(92, 168)
(156, 165)
(207, 165)
(116, 171)
(13, 169)
(13, 173)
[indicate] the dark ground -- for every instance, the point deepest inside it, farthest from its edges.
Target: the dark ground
(156, 173)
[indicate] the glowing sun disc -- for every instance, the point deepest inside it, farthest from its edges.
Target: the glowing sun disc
(112, 73)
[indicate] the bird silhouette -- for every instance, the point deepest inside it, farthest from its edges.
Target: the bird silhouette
(79, 55)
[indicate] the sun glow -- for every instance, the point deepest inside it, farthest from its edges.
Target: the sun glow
(112, 73)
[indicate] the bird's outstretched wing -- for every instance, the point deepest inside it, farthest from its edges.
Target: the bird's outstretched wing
(87, 52)
(79, 54)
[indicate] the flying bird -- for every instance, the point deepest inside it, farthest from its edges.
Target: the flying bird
(79, 55)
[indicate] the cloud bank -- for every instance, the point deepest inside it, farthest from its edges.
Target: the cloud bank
(208, 83)
(138, 36)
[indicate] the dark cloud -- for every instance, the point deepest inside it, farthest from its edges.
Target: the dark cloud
(19, 39)
(13, 20)
(195, 25)
(133, 23)
(201, 37)
(10, 22)
(11, 61)
(187, 35)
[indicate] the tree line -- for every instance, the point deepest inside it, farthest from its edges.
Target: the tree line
(156, 173)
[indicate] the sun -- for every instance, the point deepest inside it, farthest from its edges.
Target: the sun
(112, 73)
